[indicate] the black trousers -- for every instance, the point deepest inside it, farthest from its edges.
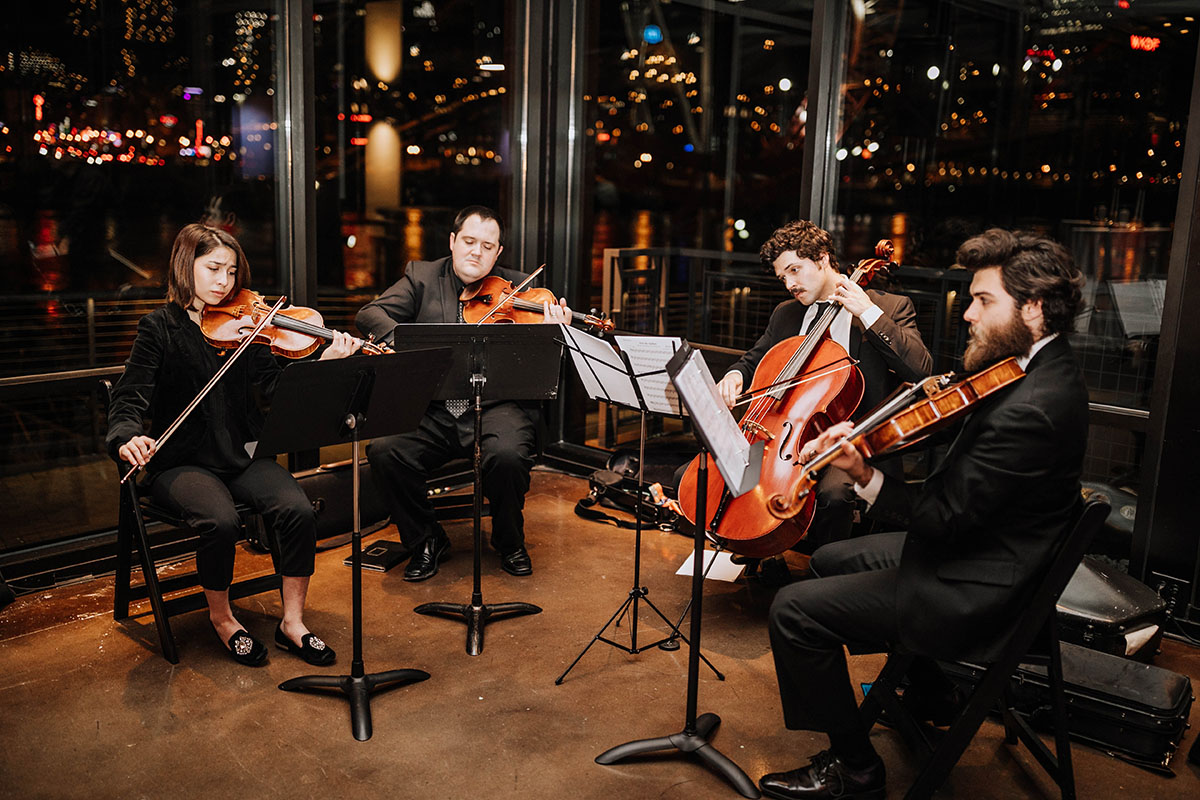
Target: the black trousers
(851, 603)
(205, 501)
(401, 466)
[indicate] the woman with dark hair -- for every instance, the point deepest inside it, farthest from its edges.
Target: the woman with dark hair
(204, 469)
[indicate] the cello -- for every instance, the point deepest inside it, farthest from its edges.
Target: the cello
(801, 386)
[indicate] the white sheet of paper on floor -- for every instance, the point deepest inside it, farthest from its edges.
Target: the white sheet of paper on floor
(723, 570)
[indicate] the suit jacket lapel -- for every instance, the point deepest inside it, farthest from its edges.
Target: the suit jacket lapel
(857, 331)
(448, 283)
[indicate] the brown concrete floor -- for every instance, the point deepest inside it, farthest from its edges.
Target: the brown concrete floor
(88, 708)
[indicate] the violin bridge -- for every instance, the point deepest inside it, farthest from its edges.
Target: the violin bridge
(758, 430)
(936, 383)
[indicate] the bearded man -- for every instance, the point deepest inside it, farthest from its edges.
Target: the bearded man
(980, 529)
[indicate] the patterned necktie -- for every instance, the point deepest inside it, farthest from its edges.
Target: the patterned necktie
(458, 407)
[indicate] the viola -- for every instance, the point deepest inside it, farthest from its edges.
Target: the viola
(493, 299)
(295, 332)
(887, 430)
(803, 385)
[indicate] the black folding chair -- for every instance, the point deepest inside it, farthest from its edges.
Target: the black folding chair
(133, 514)
(1037, 625)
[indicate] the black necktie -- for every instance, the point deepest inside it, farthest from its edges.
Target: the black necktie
(816, 316)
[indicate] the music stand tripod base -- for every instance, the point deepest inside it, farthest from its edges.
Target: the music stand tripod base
(358, 689)
(685, 742)
(476, 616)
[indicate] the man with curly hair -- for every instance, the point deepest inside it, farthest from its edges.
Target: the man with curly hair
(877, 329)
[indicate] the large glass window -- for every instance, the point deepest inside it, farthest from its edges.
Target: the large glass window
(120, 121)
(411, 125)
(695, 116)
(1066, 118)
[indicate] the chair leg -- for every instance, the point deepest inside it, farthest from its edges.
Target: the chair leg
(150, 576)
(1064, 774)
(959, 736)
(1009, 706)
(883, 698)
(125, 523)
(894, 670)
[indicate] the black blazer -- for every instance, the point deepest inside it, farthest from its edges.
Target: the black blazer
(985, 523)
(894, 352)
(167, 367)
(428, 292)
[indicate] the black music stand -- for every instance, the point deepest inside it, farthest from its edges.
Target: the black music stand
(329, 402)
(610, 377)
(741, 470)
(488, 363)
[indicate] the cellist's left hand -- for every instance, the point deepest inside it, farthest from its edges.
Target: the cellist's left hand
(555, 313)
(343, 344)
(851, 296)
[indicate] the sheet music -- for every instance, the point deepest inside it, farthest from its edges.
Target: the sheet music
(1139, 305)
(600, 368)
(714, 422)
(648, 355)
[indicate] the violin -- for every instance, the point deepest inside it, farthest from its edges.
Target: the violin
(493, 299)
(295, 332)
(887, 431)
(801, 386)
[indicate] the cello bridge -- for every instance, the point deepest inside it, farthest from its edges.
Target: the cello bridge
(758, 430)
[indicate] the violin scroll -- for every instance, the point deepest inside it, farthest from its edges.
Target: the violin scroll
(868, 268)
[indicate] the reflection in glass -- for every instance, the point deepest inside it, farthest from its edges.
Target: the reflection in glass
(1063, 120)
(120, 122)
(410, 123)
(695, 124)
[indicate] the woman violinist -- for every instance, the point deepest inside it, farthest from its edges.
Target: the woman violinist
(204, 469)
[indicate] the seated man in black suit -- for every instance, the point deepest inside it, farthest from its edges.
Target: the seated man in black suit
(980, 529)
(429, 292)
(877, 329)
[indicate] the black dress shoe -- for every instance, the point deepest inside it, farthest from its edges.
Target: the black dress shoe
(517, 563)
(246, 650)
(424, 563)
(827, 777)
(313, 650)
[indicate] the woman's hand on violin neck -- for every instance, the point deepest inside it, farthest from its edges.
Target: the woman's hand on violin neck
(555, 313)
(849, 459)
(137, 451)
(730, 387)
(851, 296)
(343, 344)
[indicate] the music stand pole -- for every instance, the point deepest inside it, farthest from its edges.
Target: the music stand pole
(476, 614)
(696, 730)
(357, 686)
(638, 592)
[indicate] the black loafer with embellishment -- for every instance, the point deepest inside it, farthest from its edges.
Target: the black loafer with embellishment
(313, 650)
(247, 650)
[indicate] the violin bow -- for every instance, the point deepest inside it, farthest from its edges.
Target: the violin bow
(161, 440)
(511, 295)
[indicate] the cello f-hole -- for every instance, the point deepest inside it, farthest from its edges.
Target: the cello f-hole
(784, 453)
